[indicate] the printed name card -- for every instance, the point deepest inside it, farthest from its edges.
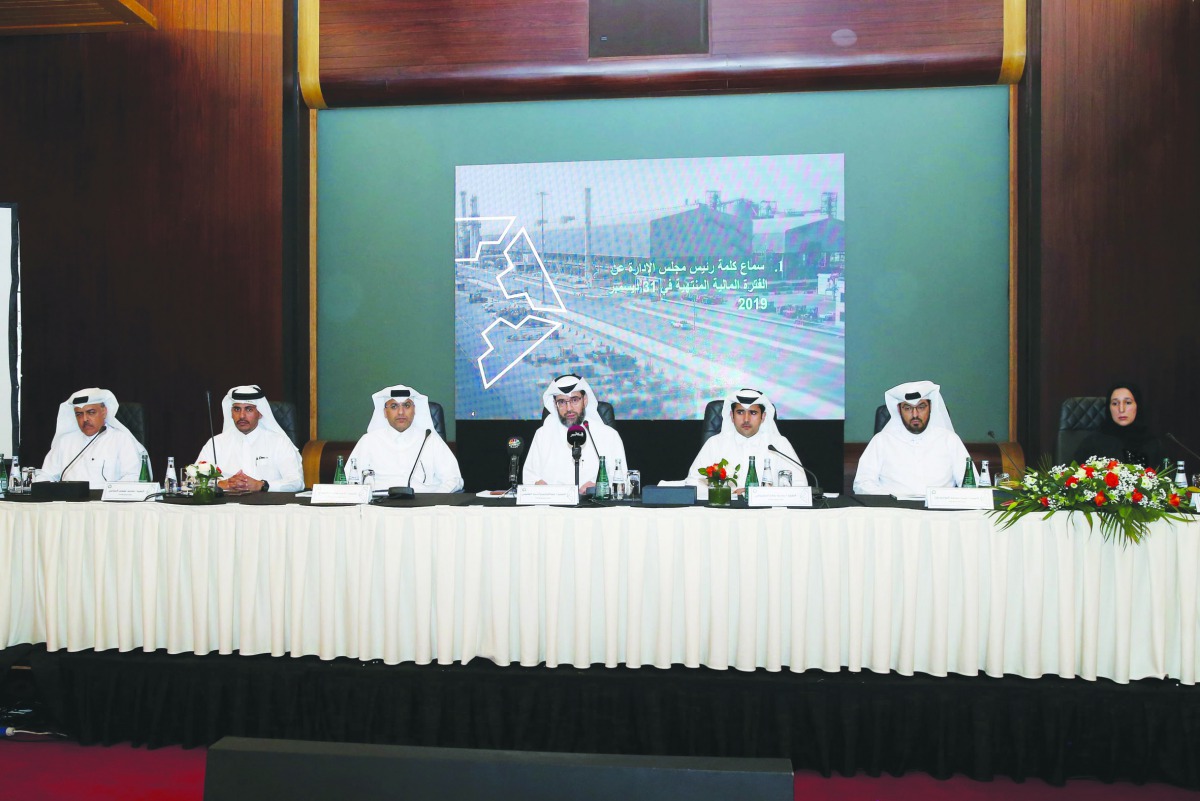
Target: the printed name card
(781, 496)
(340, 493)
(129, 490)
(547, 495)
(958, 498)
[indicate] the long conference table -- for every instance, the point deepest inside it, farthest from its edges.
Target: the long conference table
(861, 587)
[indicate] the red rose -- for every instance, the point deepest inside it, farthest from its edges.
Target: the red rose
(1089, 471)
(1136, 497)
(1100, 499)
(1150, 472)
(1112, 480)
(710, 470)
(1112, 464)
(1072, 481)
(722, 473)
(1173, 500)
(1044, 502)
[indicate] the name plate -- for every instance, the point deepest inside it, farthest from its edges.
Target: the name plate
(959, 498)
(781, 496)
(129, 490)
(340, 493)
(547, 495)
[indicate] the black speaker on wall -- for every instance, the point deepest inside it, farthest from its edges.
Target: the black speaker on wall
(245, 769)
(647, 28)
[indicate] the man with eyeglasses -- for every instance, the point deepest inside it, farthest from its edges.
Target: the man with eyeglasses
(550, 461)
(917, 449)
(90, 443)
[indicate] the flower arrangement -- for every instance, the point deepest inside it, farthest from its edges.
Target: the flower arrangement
(717, 475)
(202, 470)
(1126, 498)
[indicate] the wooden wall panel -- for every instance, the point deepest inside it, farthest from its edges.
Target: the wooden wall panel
(392, 52)
(147, 166)
(1117, 263)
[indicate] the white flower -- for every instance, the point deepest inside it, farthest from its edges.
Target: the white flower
(190, 470)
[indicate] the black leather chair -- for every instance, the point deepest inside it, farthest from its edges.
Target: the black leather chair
(285, 415)
(1077, 418)
(882, 415)
(439, 418)
(132, 415)
(603, 408)
(711, 426)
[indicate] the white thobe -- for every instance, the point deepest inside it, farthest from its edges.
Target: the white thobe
(903, 463)
(264, 455)
(114, 455)
(550, 457)
(436, 470)
(737, 450)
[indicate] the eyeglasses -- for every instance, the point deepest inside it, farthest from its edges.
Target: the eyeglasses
(907, 408)
(573, 400)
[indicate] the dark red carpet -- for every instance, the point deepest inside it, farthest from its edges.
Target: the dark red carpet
(64, 771)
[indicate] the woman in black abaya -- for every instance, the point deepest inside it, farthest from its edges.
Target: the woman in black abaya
(1124, 434)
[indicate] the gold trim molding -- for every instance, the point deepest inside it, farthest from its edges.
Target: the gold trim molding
(309, 52)
(1012, 63)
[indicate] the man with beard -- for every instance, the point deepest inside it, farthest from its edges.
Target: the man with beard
(252, 450)
(747, 429)
(403, 448)
(917, 449)
(550, 461)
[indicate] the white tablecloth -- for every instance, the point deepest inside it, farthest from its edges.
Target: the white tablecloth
(857, 588)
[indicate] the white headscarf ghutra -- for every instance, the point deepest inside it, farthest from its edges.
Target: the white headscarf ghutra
(912, 393)
(422, 419)
(251, 394)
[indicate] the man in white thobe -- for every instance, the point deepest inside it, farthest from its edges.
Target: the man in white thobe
(917, 449)
(402, 447)
(748, 429)
(550, 460)
(252, 450)
(90, 443)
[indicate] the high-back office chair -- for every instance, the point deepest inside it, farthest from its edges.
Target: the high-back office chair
(1077, 418)
(882, 415)
(604, 411)
(133, 416)
(285, 415)
(439, 418)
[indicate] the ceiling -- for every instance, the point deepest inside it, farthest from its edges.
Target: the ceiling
(32, 17)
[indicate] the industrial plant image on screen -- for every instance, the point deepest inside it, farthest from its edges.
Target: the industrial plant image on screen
(664, 282)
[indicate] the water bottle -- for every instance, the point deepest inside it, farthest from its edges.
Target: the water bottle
(968, 479)
(339, 474)
(3, 474)
(171, 478)
(144, 474)
(1180, 475)
(985, 475)
(618, 481)
(768, 475)
(353, 474)
(14, 476)
(751, 478)
(602, 486)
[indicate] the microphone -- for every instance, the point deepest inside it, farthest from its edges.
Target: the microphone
(816, 485)
(516, 449)
(576, 436)
(1175, 439)
(587, 425)
(81, 450)
(407, 491)
(212, 437)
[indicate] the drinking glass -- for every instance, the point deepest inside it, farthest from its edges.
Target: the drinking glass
(783, 478)
(633, 481)
(1002, 480)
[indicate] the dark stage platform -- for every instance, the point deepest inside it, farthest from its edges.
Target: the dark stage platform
(1051, 728)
